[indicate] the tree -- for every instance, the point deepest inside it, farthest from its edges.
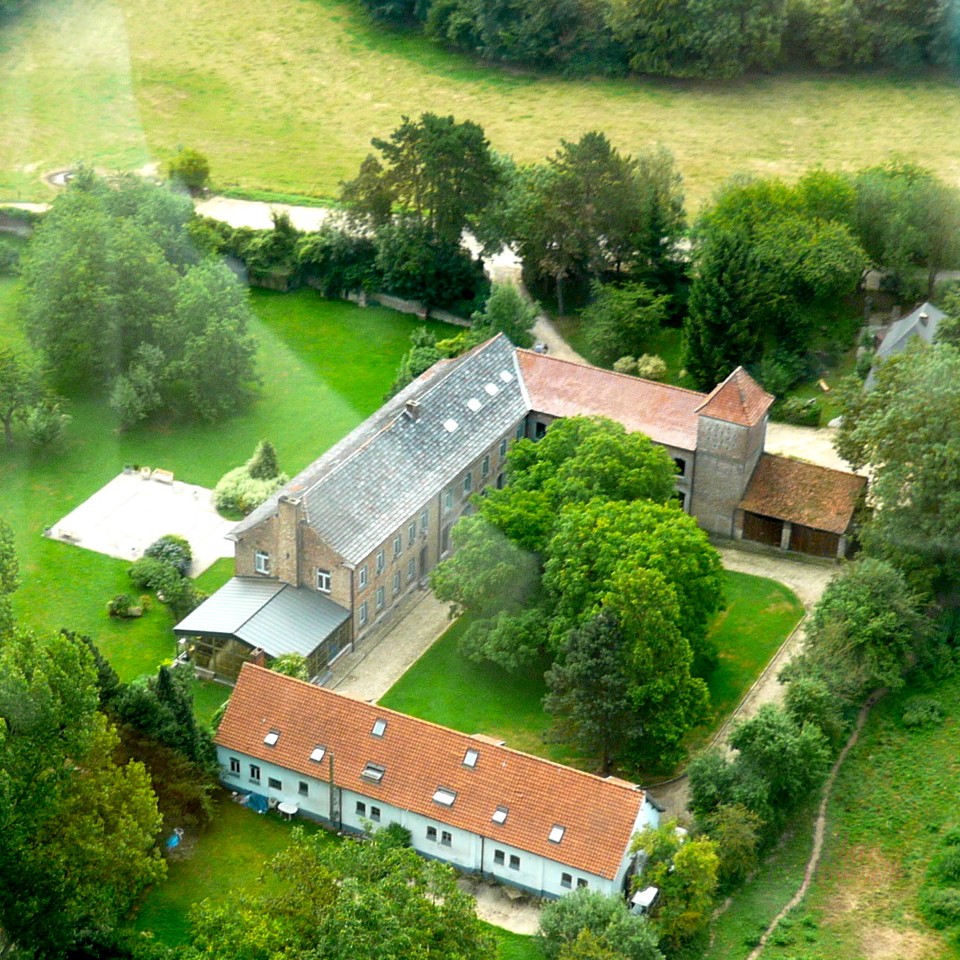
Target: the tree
(589, 692)
(20, 389)
(605, 920)
(365, 901)
(264, 464)
(9, 578)
(913, 447)
(190, 169)
(736, 833)
(77, 831)
(621, 319)
(291, 665)
(505, 312)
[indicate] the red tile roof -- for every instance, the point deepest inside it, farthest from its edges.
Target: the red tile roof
(739, 399)
(598, 815)
(803, 493)
(562, 388)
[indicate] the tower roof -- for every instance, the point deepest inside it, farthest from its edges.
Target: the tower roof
(739, 399)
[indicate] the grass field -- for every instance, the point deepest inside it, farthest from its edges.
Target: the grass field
(284, 97)
(444, 687)
(325, 366)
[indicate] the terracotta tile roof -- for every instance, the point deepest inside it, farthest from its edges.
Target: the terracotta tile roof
(739, 399)
(598, 815)
(562, 388)
(803, 493)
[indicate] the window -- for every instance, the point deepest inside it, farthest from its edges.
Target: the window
(681, 466)
(396, 583)
(274, 784)
(235, 766)
(485, 466)
(375, 814)
(261, 561)
(373, 772)
(317, 754)
(500, 481)
(424, 521)
(500, 815)
(363, 613)
(271, 738)
(381, 561)
(323, 580)
(361, 809)
(379, 727)
(432, 834)
(581, 882)
(381, 597)
(471, 757)
(447, 500)
(566, 880)
(411, 569)
(411, 534)
(254, 773)
(444, 796)
(397, 546)
(303, 788)
(362, 576)
(681, 498)
(467, 483)
(498, 857)
(514, 862)
(446, 839)
(521, 429)
(539, 430)
(503, 449)
(556, 833)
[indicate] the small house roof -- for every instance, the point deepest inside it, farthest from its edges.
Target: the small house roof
(803, 493)
(922, 324)
(739, 399)
(556, 812)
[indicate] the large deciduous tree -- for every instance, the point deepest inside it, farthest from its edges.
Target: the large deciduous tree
(621, 319)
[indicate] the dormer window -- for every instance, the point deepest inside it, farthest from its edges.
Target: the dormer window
(500, 815)
(318, 754)
(556, 833)
(471, 757)
(379, 727)
(271, 738)
(373, 773)
(444, 796)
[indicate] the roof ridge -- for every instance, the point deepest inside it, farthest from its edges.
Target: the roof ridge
(373, 705)
(811, 463)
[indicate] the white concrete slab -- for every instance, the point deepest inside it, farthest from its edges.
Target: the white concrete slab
(124, 517)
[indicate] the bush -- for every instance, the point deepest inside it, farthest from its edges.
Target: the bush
(123, 606)
(781, 370)
(864, 363)
(651, 367)
(46, 423)
(946, 868)
(238, 492)
(190, 168)
(799, 412)
(397, 835)
(172, 549)
(9, 258)
(263, 465)
(625, 365)
(150, 573)
(922, 711)
(941, 907)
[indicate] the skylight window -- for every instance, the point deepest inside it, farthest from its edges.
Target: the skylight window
(474, 404)
(373, 773)
(471, 757)
(491, 388)
(271, 738)
(318, 754)
(506, 377)
(379, 727)
(500, 815)
(445, 796)
(556, 833)
(450, 425)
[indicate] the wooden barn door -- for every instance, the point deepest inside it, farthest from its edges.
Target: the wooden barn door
(816, 543)
(762, 529)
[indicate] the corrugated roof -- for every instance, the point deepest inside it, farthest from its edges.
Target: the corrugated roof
(277, 617)
(803, 493)
(418, 757)
(898, 337)
(561, 388)
(364, 488)
(739, 399)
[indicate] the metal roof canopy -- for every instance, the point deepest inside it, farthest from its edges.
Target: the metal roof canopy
(276, 617)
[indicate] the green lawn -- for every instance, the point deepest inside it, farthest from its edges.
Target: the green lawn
(284, 97)
(325, 366)
(447, 689)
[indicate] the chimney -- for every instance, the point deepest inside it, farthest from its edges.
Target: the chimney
(924, 317)
(412, 409)
(288, 540)
(258, 658)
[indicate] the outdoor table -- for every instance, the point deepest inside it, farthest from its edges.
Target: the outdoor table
(287, 809)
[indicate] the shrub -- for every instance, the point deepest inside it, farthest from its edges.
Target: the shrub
(263, 465)
(397, 835)
(46, 423)
(9, 258)
(189, 168)
(946, 868)
(150, 573)
(120, 606)
(799, 412)
(651, 367)
(172, 549)
(922, 711)
(238, 492)
(941, 907)
(625, 365)
(781, 370)
(864, 363)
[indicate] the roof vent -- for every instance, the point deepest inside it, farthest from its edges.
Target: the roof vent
(318, 753)
(556, 833)
(373, 772)
(450, 425)
(445, 796)
(474, 404)
(271, 738)
(500, 815)
(412, 409)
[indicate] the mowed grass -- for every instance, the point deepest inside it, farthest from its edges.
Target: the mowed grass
(284, 98)
(445, 688)
(325, 366)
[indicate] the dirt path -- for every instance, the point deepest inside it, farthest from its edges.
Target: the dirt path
(819, 826)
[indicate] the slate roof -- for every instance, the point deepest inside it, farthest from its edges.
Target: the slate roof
(739, 399)
(598, 815)
(561, 388)
(276, 617)
(803, 493)
(387, 469)
(898, 337)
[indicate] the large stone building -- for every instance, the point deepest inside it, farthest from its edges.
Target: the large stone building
(332, 555)
(467, 800)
